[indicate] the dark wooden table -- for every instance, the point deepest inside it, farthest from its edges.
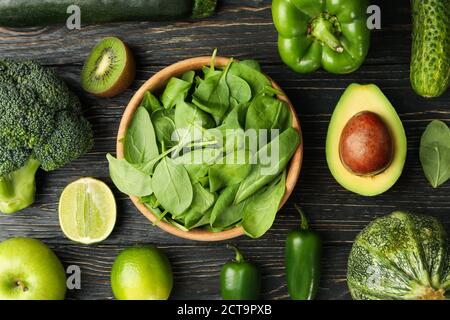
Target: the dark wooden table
(243, 29)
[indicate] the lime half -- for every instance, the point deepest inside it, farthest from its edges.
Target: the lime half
(87, 211)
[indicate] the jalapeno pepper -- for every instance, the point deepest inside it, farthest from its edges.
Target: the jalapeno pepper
(319, 33)
(303, 252)
(240, 280)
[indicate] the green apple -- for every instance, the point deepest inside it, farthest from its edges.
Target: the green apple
(29, 270)
(141, 273)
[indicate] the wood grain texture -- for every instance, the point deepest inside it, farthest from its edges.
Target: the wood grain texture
(242, 29)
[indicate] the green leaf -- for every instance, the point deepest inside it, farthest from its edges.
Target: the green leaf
(213, 95)
(140, 141)
(225, 213)
(164, 128)
(230, 170)
(240, 90)
(261, 209)
(202, 201)
(128, 179)
(252, 64)
(272, 159)
(172, 186)
(268, 113)
(435, 153)
(150, 102)
(257, 80)
(176, 91)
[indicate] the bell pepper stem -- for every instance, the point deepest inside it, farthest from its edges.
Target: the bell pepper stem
(239, 257)
(322, 29)
(304, 225)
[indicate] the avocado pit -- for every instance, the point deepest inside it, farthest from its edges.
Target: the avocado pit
(365, 146)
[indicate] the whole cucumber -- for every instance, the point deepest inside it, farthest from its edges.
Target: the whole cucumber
(29, 13)
(430, 65)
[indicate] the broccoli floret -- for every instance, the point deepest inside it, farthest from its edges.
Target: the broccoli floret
(71, 138)
(40, 126)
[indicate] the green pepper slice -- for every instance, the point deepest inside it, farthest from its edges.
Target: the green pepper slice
(303, 253)
(332, 34)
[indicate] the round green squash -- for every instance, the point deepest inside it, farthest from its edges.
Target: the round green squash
(400, 256)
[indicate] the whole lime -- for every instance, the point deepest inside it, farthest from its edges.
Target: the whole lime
(141, 273)
(29, 270)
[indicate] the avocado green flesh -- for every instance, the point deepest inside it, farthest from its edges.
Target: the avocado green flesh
(358, 98)
(400, 256)
(430, 64)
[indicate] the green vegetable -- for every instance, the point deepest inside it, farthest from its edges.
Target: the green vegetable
(261, 209)
(314, 34)
(176, 91)
(302, 254)
(193, 164)
(128, 179)
(284, 147)
(213, 95)
(400, 256)
(140, 139)
(268, 113)
(225, 213)
(164, 128)
(40, 126)
(151, 103)
(230, 170)
(239, 279)
(15, 13)
(172, 186)
(435, 153)
(430, 62)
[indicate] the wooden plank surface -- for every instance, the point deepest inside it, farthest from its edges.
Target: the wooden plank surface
(242, 29)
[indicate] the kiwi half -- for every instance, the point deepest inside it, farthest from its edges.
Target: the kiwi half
(110, 69)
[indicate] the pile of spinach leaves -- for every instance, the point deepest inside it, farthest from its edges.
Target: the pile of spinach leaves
(168, 135)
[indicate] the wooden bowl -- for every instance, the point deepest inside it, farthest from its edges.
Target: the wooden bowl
(156, 84)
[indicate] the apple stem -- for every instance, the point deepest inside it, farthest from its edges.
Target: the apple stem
(22, 285)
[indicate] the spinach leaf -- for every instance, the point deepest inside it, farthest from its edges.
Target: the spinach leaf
(240, 91)
(172, 186)
(189, 122)
(272, 159)
(213, 95)
(164, 128)
(202, 201)
(261, 209)
(230, 170)
(225, 213)
(150, 102)
(197, 162)
(128, 179)
(267, 113)
(252, 64)
(193, 223)
(435, 153)
(188, 76)
(257, 80)
(140, 141)
(176, 91)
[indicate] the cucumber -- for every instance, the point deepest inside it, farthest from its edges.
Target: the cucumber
(430, 64)
(30, 13)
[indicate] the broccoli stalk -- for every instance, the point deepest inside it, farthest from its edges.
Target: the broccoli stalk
(17, 188)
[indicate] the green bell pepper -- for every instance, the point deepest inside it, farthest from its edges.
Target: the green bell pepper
(240, 280)
(322, 33)
(303, 253)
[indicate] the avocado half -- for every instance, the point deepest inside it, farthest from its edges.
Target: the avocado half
(359, 98)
